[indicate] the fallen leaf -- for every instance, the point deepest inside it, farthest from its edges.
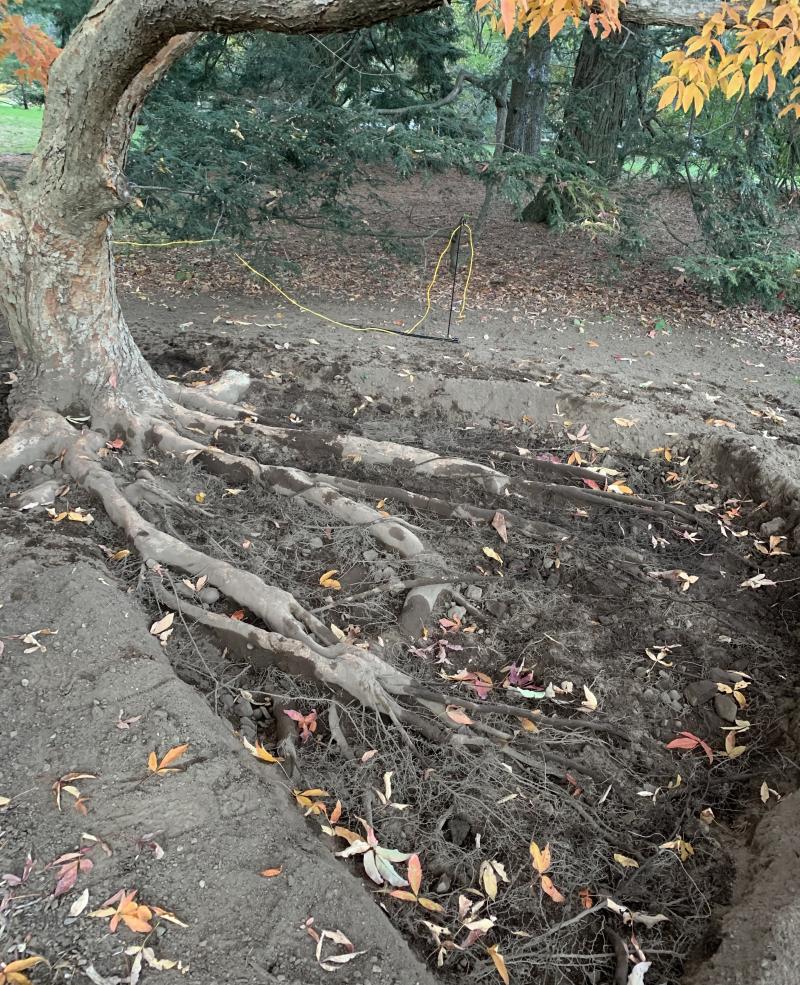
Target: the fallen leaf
(732, 750)
(238, 616)
(590, 704)
(260, 752)
(624, 422)
(200, 497)
(164, 765)
(689, 741)
(499, 963)
(636, 977)
(499, 524)
(492, 554)
(458, 715)
(271, 873)
(547, 886)
(540, 857)
(328, 581)
(625, 861)
(80, 904)
(163, 624)
(717, 422)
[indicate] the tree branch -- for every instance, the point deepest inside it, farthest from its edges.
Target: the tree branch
(454, 93)
(112, 61)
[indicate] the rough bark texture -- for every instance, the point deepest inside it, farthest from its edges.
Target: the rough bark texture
(680, 13)
(527, 101)
(604, 101)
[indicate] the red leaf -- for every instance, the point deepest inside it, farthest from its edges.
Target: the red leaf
(689, 741)
(592, 484)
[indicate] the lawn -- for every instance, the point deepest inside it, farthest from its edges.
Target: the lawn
(19, 129)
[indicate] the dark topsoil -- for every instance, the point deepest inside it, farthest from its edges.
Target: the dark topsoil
(577, 610)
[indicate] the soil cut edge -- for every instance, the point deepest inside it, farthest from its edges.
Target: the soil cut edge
(221, 820)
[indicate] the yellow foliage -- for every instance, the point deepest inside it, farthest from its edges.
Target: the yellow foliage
(737, 50)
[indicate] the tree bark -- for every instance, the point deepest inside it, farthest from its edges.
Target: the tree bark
(677, 13)
(527, 101)
(604, 100)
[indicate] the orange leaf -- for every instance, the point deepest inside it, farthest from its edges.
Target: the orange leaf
(152, 762)
(499, 962)
(238, 615)
(550, 889)
(172, 754)
(508, 12)
(271, 873)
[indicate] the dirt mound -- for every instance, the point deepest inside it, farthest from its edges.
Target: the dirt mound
(98, 698)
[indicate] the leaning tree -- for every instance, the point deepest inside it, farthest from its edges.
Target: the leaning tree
(78, 360)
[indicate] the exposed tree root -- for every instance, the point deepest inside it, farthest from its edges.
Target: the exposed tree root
(36, 438)
(295, 639)
(377, 685)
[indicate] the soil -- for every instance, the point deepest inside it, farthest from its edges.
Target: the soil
(681, 410)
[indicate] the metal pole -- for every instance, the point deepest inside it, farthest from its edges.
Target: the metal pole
(455, 275)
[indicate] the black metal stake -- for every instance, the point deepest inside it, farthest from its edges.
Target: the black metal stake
(455, 276)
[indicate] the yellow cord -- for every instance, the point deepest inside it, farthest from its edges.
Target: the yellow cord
(174, 242)
(327, 318)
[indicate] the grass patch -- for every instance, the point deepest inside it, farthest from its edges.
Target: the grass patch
(19, 129)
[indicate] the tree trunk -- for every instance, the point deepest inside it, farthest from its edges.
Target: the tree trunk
(601, 114)
(59, 300)
(528, 99)
(604, 102)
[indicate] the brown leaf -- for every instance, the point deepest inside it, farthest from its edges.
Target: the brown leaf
(499, 524)
(458, 715)
(271, 873)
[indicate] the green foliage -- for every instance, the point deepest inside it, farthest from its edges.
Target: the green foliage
(260, 128)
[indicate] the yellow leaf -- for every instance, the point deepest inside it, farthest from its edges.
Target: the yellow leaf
(499, 963)
(489, 880)
(756, 7)
(628, 863)
(200, 497)
(328, 581)
(668, 96)
(152, 762)
(260, 752)
(624, 422)
(540, 857)
(492, 554)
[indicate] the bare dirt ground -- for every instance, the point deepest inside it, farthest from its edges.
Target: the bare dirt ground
(623, 628)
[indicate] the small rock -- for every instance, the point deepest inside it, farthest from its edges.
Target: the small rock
(242, 708)
(726, 708)
(650, 693)
(457, 613)
(247, 727)
(641, 671)
(666, 698)
(720, 676)
(315, 543)
(674, 696)
(370, 556)
(700, 693)
(209, 596)
(227, 701)
(663, 684)
(474, 593)
(772, 527)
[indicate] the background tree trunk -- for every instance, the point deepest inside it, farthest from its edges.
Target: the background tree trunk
(604, 103)
(527, 101)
